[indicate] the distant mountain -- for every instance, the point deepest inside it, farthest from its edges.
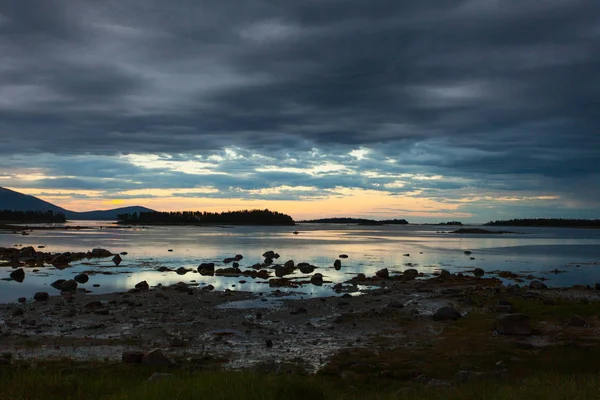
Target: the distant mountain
(15, 201)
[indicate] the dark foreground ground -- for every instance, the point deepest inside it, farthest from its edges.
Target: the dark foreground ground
(493, 341)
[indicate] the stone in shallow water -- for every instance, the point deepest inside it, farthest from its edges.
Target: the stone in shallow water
(18, 275)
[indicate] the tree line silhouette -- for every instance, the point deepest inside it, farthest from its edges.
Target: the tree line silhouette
(243, 217)
(359, 221)
(547, 222)
(31, 216)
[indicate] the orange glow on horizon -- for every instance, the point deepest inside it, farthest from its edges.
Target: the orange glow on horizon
(352, 203)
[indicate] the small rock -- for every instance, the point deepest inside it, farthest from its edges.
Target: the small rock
(117, 260)
(513, 324)
(289, 264)
(537, 285)
(317, 279)
(143, 285)
(81, 278)
(383, 273)
(269, 343)
(446, 313)
(41, 296)
(337, 264)
(56, 284)
(467, 252)
(181, 271)
(411, 273)
(22, 300)
(158, 358)
(68, 286)
(208, 287)
(100, 253)
(343, 256)
(18, 275)
(207, 267)
(269, 254)
(478, 272)
(576, 320)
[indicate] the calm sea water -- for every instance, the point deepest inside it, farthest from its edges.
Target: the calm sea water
(537, 251)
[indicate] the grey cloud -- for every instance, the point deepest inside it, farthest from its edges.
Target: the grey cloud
(500, 93)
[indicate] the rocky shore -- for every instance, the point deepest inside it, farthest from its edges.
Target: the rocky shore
(364, 316)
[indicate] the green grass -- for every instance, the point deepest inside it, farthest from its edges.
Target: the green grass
(120, 383)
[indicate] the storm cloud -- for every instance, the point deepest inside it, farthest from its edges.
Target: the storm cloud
(494, 97)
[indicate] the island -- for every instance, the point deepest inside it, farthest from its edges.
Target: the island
(243, 217)
(358, 221)
(31, 217)
(548, 222)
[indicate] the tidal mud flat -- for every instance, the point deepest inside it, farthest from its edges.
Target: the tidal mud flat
(340, 334)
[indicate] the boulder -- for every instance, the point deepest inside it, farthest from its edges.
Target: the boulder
(411, 273)
(68, 286)
(81, 278)
(383, 273)
(306, 268)
(41, 296)
(228, 260)
(181, 271)
(337, 264)
(289, 264)
(235, 264)
(343, 256)
(513, 324)
(163, 269)
(537, 285)
(100, 253)
(132, 357)
(143, 285)
(117, 260)
(317, 279)
(60, 260)
(362, 277)
(27, 252)
(238, 257)
(269, 254)
(56, 284)
(158, 358)
(263, 274)
(268, 261)
(446, 314)
(18, 275)
(478, 272)
(207, 267)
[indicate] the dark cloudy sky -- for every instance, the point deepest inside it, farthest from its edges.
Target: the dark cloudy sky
(429, 110)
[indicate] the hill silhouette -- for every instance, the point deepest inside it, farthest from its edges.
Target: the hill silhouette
(11, 200)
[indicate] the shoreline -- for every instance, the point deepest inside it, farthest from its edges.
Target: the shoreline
(245, 329)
